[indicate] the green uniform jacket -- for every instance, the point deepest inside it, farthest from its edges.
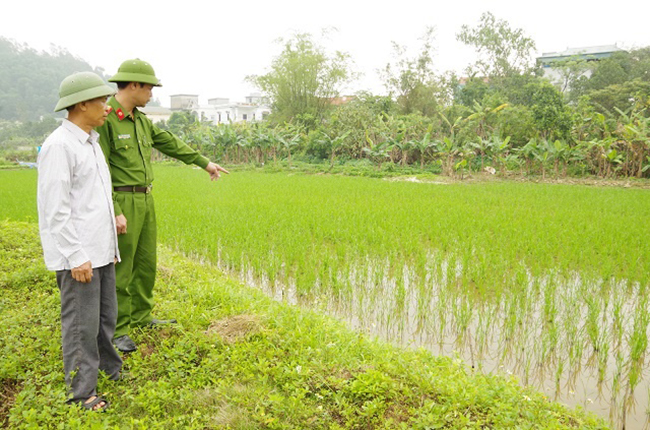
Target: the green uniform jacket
(127, 142)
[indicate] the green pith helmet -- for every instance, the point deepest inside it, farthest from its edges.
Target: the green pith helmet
(136, 71)
(80, 87)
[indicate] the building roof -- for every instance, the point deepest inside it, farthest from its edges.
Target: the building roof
(156, 110)
(588, 51)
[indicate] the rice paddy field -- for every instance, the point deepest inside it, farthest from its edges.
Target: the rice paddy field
(545, 282)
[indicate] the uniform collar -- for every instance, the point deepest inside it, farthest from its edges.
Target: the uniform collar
(78, 132)
(117, 109)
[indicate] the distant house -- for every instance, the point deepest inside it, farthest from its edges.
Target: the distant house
(179, 102)
(184, 101)
(220, 110)
(157, 113)
(549, 60)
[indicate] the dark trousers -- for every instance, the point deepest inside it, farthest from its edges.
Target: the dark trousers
(88, 314)
(136, 273)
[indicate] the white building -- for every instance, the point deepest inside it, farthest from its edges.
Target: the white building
(221, 110)
(184, 101)
(157, 113)
(217, 111)
(548, 60)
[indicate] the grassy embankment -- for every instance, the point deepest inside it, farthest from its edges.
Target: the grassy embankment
(240, 360)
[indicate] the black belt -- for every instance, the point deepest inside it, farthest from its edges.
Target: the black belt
(145, 190)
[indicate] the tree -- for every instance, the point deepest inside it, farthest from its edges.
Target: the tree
(290, 139)
(29, 80)
(571, 72)
(180, 122)
(471, 91)
(377, 151)
(614, 70)
(622, 96)
(551, 115)
(503, 51)
(618, 81)
(412, 80)
(303, 80)
(480, 116)
(334, 144)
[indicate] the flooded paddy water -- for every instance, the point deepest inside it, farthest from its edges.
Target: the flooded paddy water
(582, 343)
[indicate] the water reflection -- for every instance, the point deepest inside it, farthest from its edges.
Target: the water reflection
(581, 342)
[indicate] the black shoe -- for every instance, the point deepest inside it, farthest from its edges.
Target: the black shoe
(124, 343)
(156, 322)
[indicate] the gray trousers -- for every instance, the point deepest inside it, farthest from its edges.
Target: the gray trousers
(88, 315)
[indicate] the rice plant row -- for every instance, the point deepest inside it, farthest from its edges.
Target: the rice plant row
(546, 281)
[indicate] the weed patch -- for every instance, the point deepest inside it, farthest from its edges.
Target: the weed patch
(235, 328)
(9, 388)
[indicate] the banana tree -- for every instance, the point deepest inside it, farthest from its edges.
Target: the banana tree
(542, 155)
(337, 145)
(615, 159)
(460, 166)
(447, 148)
(243, 145)
(423, 145)
(528, 152)
(403, 145)
(377, 152)
(261, 138)
(225, 137)
(274, 143)
(290, 140)
(500, 149)
(636, 134)
(560, 151)
(481, 115)
(480, 147)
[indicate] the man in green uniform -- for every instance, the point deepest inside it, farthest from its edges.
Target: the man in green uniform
(127, 138)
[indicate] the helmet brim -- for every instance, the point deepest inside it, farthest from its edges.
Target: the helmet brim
(82, 96)
(135, 77)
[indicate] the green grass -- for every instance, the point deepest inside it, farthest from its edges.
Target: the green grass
(555, 275)
(285, 368)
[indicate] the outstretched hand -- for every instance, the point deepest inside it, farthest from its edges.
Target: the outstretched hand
(213, 169)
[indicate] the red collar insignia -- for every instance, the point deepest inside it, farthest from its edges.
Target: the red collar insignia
(120, 114)
(110, 109)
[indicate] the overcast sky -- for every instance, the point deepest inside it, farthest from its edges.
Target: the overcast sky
(208, 48)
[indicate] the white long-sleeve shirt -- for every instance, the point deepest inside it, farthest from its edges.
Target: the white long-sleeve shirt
(75, 204)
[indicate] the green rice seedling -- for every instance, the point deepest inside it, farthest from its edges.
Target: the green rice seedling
(592, 324)
(616, 379)
(559, 371)
(603, 359)
(638, 343)
(501, 262)
(482, 331)
(617, 321)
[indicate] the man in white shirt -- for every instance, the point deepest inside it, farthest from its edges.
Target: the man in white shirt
(78, 235)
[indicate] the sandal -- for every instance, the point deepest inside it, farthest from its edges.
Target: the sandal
(93, 405)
